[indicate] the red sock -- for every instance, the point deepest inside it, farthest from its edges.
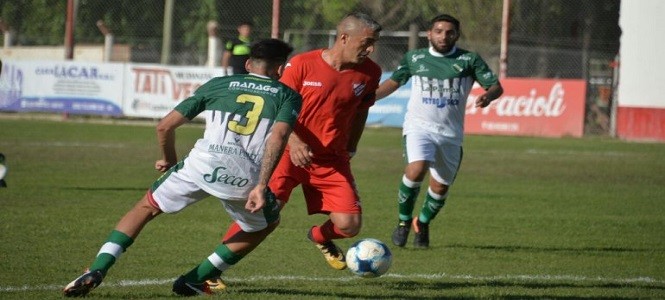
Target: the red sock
(326, 232)
(233, 229)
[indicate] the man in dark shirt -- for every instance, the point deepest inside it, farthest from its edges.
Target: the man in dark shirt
(237, 50)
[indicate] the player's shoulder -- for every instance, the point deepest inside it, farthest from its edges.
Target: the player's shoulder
(463, 54)
(418, 51)
(212, 84)
(287, 90)
(308, 56)
(416, 54)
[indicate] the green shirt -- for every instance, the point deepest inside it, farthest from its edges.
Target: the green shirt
(240, 111)
(440, 87)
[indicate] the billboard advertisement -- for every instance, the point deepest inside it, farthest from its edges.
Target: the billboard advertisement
(154, 90)
(61, 86)
(528, 107)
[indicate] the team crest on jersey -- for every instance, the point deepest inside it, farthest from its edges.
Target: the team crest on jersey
(358, 88)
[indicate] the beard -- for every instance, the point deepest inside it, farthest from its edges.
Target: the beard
(443, 49)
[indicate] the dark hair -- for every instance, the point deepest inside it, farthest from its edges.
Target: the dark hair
(270, 50)
(445, 18)
(248, 23)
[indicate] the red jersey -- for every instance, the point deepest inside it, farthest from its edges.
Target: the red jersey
(331, 99)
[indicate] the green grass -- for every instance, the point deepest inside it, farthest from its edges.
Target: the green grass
(527, 218)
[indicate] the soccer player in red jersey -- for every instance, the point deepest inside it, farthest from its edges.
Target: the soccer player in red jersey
(338, 87)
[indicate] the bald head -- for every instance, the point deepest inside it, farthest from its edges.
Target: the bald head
(354, 23)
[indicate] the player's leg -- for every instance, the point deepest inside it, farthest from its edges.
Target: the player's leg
(254, 228)
(118, 241)
(418, 152)
(332, 191)
(282, 182)
(442, 175)
(170, 193)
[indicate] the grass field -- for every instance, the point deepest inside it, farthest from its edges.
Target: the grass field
(527, 218)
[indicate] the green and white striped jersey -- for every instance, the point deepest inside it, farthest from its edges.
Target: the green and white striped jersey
(240, 111)
(440, 87)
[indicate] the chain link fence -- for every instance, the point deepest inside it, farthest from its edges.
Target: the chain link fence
(568, 39)
(571, 39)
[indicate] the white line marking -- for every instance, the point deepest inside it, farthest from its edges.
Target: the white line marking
(539, 278)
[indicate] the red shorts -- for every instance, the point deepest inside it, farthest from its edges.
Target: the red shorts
(329, 188)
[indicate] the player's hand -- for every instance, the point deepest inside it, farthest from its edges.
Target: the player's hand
(483, 101)
(301, 154)
(256, 200)
(162, 165)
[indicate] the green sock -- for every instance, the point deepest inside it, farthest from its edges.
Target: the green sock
(431, 207)
(406, 197)
(116, 244)
(220, 260)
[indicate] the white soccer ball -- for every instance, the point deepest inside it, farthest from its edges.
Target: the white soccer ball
(368, 258)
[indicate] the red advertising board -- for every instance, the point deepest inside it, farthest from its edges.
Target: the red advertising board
(641, 123)
(530, 107)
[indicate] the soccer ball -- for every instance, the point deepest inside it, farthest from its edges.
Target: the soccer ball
(368, 258)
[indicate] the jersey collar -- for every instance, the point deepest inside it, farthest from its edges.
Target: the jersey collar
(258, 75)
(437, 54)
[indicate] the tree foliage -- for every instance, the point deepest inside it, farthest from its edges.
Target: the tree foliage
(571, 24)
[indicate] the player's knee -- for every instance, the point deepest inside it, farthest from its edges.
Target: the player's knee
(145, 207)
(349, 229)
(438, 187)
(352, 232)
(415, 174)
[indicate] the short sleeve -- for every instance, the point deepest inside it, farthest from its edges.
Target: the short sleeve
(483, 74)
(292, 75)
(403, 73)
(290, 107)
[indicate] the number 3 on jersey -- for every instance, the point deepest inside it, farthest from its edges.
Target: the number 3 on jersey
(251, 118)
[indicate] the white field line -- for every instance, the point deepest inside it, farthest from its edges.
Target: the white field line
(538, 278)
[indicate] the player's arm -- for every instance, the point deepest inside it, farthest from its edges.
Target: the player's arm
(273, 152)
(166, 139)
(226, 56)
(357, 128)
(225, 61)
(386, 88)
(493, 92)
(300, 153)
(488, 80)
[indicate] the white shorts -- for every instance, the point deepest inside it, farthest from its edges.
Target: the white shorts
(444, 158)
(175, 190)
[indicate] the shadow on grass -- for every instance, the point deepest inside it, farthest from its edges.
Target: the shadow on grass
(548, 249)
(409, 289)
(80, 188)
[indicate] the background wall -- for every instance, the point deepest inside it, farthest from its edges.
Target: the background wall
(641, 102)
